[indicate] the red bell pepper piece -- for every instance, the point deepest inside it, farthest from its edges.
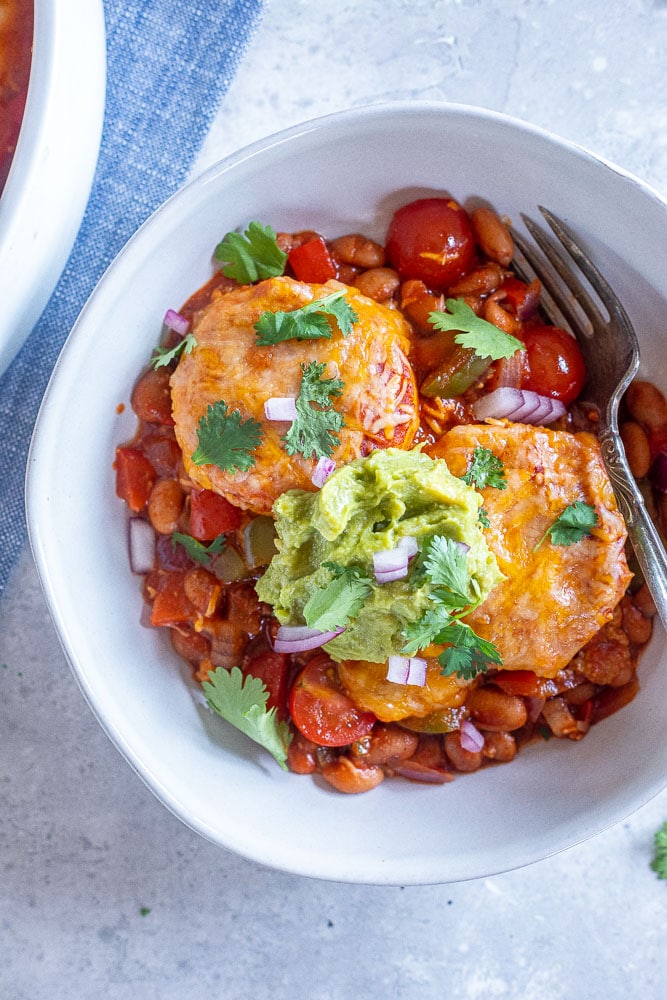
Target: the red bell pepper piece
(211, 515)
(312, 261)
(135, 477)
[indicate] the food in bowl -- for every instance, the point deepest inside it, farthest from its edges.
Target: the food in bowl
(16, 21)
(369, 506)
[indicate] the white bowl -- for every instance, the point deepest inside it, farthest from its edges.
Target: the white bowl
(343, 173)
(52, 171)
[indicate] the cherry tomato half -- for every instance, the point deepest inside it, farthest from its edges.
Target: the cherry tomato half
(556, 366)
(271, 668)
(431, 240)
(322, 711)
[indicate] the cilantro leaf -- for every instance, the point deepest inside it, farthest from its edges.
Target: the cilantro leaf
(307, 323)
(485, 339)
(572, 525)
(446, 563)
(197, 550)
(485, 469)
(659, 862)
(426, 629)
(162, 356)
(315, 430)
(253, 256)
(468, 654)
(336, 604)
(242, 702)
(483, 517)
(225, 439)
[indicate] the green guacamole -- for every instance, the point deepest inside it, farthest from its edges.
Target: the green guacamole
(364, 507)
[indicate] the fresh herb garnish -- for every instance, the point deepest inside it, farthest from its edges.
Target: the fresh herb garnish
(485, 339)
(242, 702)
(307, 323)
(335, 605)
(162, 356)
(445, 563)
(483, 517)
(572, 525)
(226, 439)
(659, 862)
(485, 469)
(253, 256)
(197, 551)
(315, 430)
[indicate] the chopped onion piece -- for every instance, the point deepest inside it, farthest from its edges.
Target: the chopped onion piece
(520, 405)
(471, 738)
(179, 324)
(141, 545)
(300, 638)
(322, 471)
(406, 670)
(391, 575)
(280, 408)
(410, 544)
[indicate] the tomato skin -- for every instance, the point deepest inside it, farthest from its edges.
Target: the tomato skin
(556, 366)
(431, 240)
(211, 515)
(311, 261)
(321, 711)
(272, 669)
(135, 477)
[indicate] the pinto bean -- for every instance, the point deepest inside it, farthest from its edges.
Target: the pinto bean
(637, 627)
(348, 777)
(151, 397)
(637, 448)
(384, 745)
(643, 600)
(560, 720)
(417, 303)
(462, 760)
(500, 747)
(302, 755)
(379, 283)
(646, 404)
(164, 505)
(494, 313)
(482, 281)
(357, 250)
(492, 235)
(496, 711)
(192, 646)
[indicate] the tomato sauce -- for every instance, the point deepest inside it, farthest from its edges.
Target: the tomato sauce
(16, 27)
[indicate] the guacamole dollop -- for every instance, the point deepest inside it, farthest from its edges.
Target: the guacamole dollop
(364, 507)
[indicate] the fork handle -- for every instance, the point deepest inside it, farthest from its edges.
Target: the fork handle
(642, 532)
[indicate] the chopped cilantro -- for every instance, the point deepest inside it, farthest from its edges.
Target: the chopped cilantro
(225, 439)
(162, 356)
(315, 430)
(307, 323)
(659, 862)
(572, 525)
(485, 469)
(467, 654)
(483, 517)
(197, 550)
(144, 911)
(336, 604)
(485, 339)
(241, 701)
(253, 256)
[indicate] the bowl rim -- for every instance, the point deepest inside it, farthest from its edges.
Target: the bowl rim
(339, 872)
(47, 189)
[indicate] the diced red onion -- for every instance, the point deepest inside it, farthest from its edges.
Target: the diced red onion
(406, 670)
(520, 405)
(391, 575)
(416, 771)
(392, 564)
(471, 738)
(325, 466)
(658, 472)
(179, 324)
(280, 408)
(300, 638)
(140, 545)
(410, 544)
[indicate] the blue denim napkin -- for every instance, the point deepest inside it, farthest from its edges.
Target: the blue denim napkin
(169, 62)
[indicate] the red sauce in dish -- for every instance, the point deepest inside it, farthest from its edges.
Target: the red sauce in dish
(16, 24)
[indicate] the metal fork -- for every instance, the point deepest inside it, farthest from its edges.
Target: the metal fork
(611, 353)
